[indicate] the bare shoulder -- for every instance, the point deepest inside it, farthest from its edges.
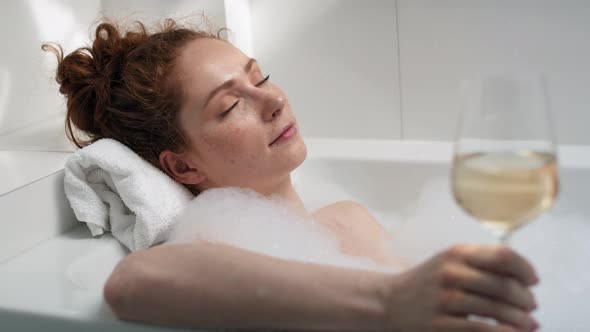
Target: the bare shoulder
(353, 216)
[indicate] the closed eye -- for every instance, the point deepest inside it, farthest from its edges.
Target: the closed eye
(264, 80)
(226, 112)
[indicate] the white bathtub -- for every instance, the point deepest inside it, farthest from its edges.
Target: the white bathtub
(405, 184)
(57, 284)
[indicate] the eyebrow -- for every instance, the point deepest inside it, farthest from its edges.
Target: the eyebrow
(229, 83)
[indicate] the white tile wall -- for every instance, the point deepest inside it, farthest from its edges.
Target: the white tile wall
(28, 94)
(152, 11)
(33, 213)
(444, 42)
(337, 62)
(18, 168)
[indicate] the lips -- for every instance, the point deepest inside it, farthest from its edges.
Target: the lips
(286, 129)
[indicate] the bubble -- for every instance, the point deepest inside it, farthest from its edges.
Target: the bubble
(250, 221)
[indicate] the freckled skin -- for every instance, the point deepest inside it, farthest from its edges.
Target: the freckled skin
(233, 150)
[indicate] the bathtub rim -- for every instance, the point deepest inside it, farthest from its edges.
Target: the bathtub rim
(569, 156)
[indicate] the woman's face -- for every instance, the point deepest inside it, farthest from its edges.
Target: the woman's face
(235, 120)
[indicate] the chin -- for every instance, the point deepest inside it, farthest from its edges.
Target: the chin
(299, 153)
(289, 158)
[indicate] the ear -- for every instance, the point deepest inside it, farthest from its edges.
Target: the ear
(177, 168)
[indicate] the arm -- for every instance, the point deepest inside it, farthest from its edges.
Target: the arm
(203, 285)
(208, 285)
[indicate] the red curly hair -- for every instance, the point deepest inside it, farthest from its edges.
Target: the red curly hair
(124, 87)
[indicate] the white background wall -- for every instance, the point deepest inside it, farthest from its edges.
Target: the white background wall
(358, 69)
(151, 11)
(336, 60)
(392, 69)
(31, 110)
(444, 42)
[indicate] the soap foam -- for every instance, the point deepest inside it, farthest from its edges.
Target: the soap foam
(248, 220)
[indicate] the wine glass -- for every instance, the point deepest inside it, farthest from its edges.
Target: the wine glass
(504, 170)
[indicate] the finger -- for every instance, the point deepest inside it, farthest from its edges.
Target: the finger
(500, 259)
(462, 324)
(461, 303)
(491, 285)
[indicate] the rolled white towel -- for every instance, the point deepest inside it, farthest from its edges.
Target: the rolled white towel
(111, 188)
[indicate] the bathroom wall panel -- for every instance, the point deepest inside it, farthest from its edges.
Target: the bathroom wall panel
(337, 62)
(444, 42)
(29, 98)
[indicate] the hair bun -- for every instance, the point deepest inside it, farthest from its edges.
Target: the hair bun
(87, 74)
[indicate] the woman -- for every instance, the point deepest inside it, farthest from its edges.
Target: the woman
(203, 112)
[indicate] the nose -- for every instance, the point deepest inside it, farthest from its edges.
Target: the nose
(273, 103)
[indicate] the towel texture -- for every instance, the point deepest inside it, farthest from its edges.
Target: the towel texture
(111, 188)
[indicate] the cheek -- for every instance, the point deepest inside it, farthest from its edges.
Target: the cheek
(233, 145)
(222, 142)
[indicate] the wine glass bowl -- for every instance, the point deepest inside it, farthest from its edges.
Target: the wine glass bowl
(504, 170)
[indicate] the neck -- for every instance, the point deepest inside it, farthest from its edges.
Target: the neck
(286, 192)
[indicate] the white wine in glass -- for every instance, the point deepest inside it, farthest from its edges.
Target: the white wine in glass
(505, 164)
